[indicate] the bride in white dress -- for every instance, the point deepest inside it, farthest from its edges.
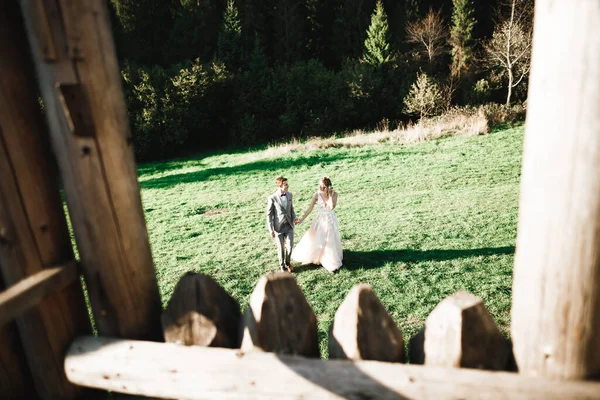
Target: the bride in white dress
(321, 244)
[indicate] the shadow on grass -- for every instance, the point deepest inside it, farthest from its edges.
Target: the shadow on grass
(274, 165)
(378, 258)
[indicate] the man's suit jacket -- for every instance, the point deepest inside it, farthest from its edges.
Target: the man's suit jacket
(277, 214)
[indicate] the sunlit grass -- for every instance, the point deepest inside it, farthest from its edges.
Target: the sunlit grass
(418, 221)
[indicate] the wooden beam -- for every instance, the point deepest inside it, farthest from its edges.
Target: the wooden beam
(89, 130)
(33, 228)
(15, 378)
(167, 370)
(556, 287)
(25, 294)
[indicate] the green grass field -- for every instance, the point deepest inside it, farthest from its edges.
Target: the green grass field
(418, 222)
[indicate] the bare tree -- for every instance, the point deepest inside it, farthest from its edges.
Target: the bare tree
(430, 33)
(509, 49)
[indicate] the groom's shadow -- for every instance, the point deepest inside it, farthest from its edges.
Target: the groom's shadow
(378, 258)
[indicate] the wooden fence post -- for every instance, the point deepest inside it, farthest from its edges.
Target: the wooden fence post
(33, 230)
(80, 83)
(279, 319)
(460, 332)
(363, 330)
(200, 312)
(556, 286)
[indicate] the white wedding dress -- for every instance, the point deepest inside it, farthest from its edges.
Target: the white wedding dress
(322, 243)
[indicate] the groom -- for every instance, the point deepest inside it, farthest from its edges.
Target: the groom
(280, 222)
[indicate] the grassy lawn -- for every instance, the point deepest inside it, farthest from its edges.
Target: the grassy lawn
(418, 222)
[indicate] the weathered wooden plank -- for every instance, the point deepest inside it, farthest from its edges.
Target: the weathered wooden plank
(556, 286)
(97, 166)
(363, 330)
(279, 319)
(25, 294)
(168, 370)
(15, 378)
(201, 313)
(460, 332)
(33, 230)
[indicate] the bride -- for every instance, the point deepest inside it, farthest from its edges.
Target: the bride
(321, 244)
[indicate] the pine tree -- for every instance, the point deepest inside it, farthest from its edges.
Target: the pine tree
(461, 36)
(229, 46)
(412, 10)
(424, 98)
(143, 29)
(289, 27)
(377, 43)
(258, 66)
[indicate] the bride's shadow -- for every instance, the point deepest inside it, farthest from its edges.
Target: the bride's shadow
(378, 258)
(306, 267)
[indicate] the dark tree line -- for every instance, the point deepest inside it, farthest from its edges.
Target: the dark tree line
(205, 74)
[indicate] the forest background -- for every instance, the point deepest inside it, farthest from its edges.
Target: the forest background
(210, 74)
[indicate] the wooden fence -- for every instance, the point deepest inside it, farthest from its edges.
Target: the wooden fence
(66, 48)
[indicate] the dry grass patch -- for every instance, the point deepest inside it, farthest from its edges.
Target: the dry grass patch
(466, 121)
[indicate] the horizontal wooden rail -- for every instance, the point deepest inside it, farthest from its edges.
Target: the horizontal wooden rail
(167, 370)
(25, 294)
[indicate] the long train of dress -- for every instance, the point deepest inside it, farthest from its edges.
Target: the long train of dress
(322, 243)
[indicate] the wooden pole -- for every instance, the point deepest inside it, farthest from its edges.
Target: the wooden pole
(80, 82)
(33, 230)
(167, 370)
(28, 292)
(556, 287)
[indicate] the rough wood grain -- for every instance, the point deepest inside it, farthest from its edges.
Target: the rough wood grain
(25, 294)
(15, 378)
(97, 164)
(33, 230)
(460, 332)
(279, 319)
(556, 286)
(363, 330)
(201, 313)
(167, 370)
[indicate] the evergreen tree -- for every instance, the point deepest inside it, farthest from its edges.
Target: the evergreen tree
(413, 10)
(196, 29)
(349, 28)
(377, 43)
(143, 29)
(425, 97)
(461, 36)
(229, 49)
(258, 66)
(289, 29)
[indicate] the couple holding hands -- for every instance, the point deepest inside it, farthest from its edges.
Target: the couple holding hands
(321, 244)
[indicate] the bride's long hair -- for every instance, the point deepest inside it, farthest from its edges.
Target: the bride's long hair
(324, 184)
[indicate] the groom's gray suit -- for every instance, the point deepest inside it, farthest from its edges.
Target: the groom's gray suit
(280, 219)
